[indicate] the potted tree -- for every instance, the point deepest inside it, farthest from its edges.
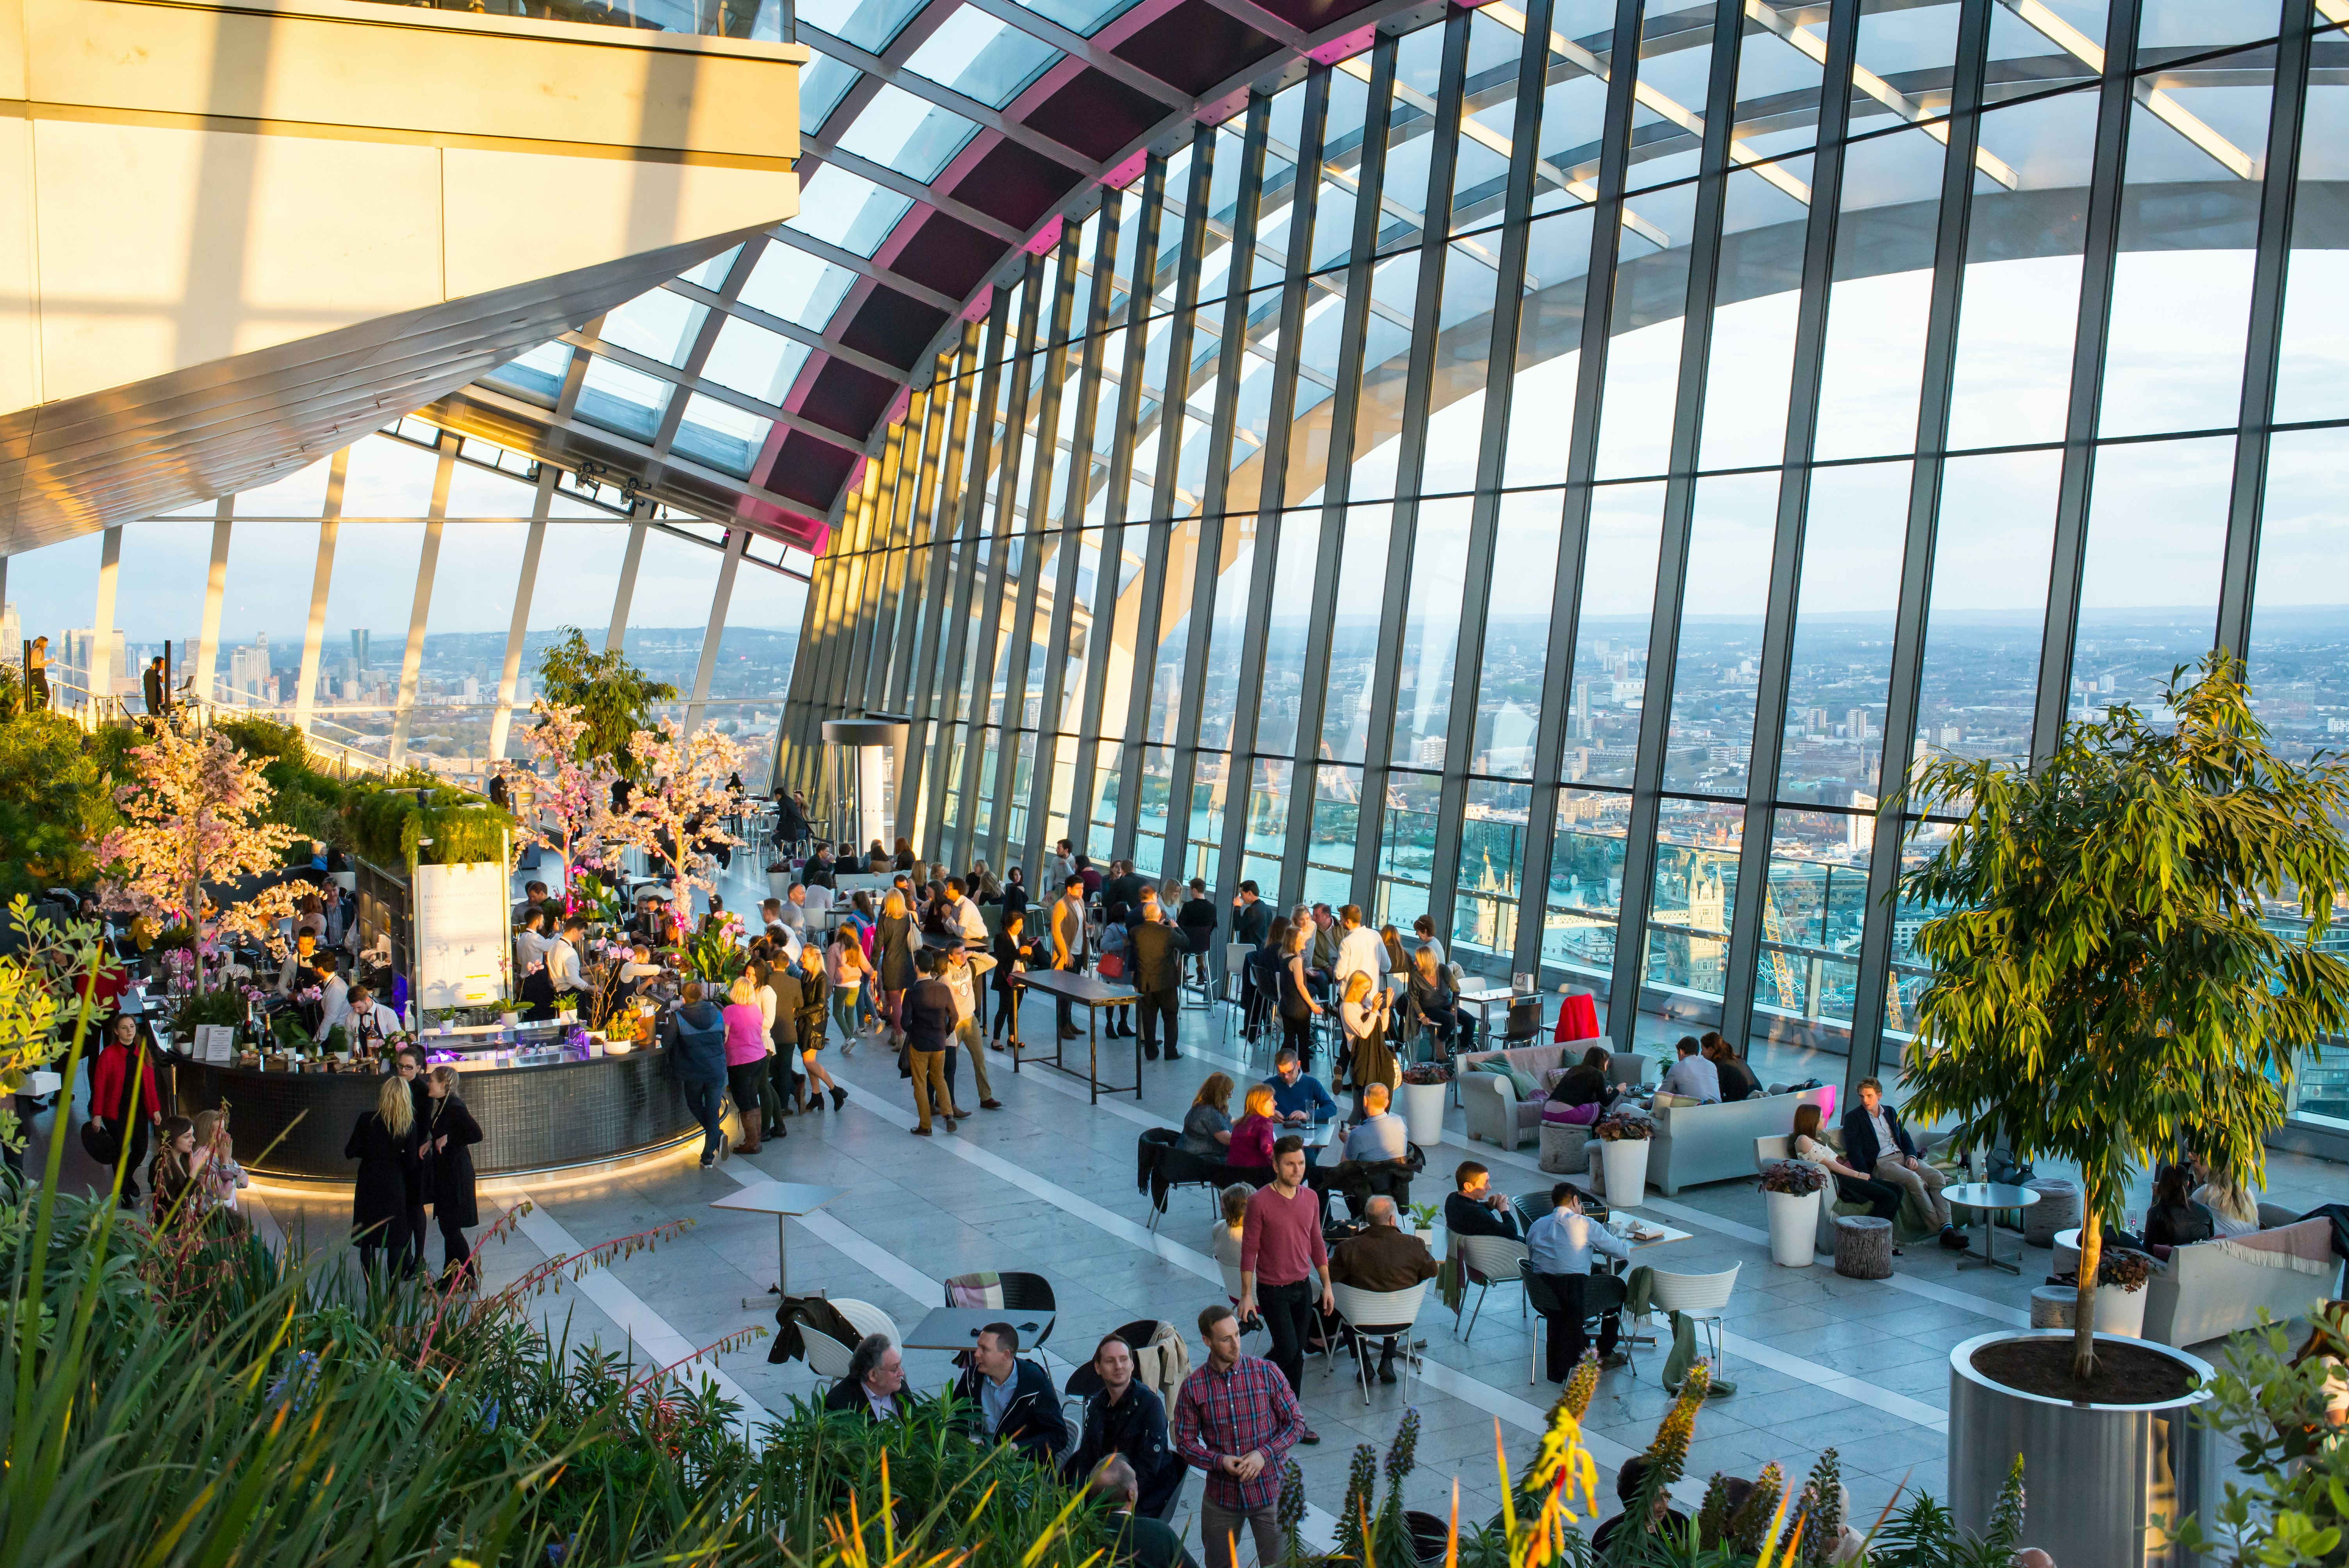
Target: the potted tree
(2118, 969)
(1623, 1157)
(1424, 1085)
(1791, 1190)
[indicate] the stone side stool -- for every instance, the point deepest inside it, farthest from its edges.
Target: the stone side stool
(2053, 1305)
(1564, 1148)
(1863, 1247)
(2058, 1209)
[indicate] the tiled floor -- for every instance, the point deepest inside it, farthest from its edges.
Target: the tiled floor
(1047, 1184)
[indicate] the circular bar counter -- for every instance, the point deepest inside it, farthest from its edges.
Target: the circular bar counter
(535, 1119)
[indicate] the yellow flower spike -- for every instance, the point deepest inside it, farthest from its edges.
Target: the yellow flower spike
(980, 1506)
(1509, 1493)
(888, 1515)
(1770, 1541)
(1451, 1541)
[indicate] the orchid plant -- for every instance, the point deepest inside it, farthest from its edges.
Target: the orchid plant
(194, 818)
(570, 802)
(676, 813)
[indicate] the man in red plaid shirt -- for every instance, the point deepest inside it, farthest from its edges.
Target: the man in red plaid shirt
(1236, 1419)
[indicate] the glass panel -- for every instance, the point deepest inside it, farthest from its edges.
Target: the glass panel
(1585, 887)
(1386, 359)
(981, 58)
(794, 286)
(1227, 638)
(755, 362)
(1285, 634)
(846, 209)
(1808, 970)
(1752, 351)
(1354, 636)
(1635, 423)
(870, 25)
(1173, 640)
(1086, 16)
(900, 131)
(1492, 871)
(661, 324)
(2149, 585)
(536, 376)
(1988, 603)
(1611, 643)
(1266, 838)
(1549, 354)
(1210, 774)
(2297, 663)
(1675, 73)
(1330, 842)
(726, 437)
(621, 400)
(1463, 347)
(1841, 662)
(1695, 897)
(1883, 287)
(1516, 633)
(2022, 290)
(1574, 104)
(1341, 164)
(1430, 633)
(2312, 379)
(1150, 829)
(2165, 369)
(1488, 116)
(1778, 74)
(1406, 848)
(1713, 677)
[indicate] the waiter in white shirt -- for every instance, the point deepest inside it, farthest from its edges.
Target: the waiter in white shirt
(962, 916)
(335, 994)
(1359, 949)
(563, 970)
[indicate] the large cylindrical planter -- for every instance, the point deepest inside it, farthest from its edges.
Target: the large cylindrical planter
(1624, 1162)
(1794, 1228)
(2100, 1481)
(1422, 1112)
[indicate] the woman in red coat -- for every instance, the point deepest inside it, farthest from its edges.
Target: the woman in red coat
(112, 1105)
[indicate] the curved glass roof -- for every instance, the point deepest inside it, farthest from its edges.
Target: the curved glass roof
(941, 138)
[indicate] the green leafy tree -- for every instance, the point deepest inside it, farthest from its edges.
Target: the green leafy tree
(54, 803)
(612, 698)
(2117, 974)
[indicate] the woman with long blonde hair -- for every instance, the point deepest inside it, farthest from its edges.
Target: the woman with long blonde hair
(896, 941)
(384, 1141)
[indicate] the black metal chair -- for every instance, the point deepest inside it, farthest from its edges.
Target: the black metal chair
(1525, 1024)
(1084, 1382)
(1021, 1292)
(1603, 1295)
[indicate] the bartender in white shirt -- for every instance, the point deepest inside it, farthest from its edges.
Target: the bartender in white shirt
(335, 994)
(369, 1023)
(562, 971)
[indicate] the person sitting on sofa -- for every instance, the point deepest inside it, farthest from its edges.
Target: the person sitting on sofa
(2175, 1219)
(1693, 1077)
(1737, 1079)
(2234, 1208)
(1883, 1198)
(1585, 1083)
(1877, 1145)
(1473, 1209)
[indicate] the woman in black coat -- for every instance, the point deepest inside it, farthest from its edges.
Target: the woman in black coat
(1013, 957)
(449, 1136)
(386, 1142)
(894, 944)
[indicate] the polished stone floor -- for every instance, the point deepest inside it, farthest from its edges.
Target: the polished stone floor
(1046, 1184)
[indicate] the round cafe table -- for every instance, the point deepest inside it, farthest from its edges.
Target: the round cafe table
(1989, 1197)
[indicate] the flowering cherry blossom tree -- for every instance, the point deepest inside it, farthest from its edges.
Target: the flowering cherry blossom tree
(194, 821)
(574, 799)
(676, 814)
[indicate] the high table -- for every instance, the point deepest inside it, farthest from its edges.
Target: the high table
(958, 1328)
(1989, 1197)
(782, 1200)
(1092, 993)
(1482, 1000)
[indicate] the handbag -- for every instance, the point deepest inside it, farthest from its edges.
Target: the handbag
(101, 1144)
(1111, 966)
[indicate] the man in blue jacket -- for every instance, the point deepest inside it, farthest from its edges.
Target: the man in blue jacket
(1013, 1399)
(1876, 1144)
(697, 1044)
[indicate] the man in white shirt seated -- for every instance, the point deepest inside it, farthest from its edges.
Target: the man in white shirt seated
(1359, 949)
(1380, 1134)
(1693, 1077)
(962, 915)
(1560, 1245)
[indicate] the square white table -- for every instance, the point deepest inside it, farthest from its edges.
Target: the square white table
(782, 1200)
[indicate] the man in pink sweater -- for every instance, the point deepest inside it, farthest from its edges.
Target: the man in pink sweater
(1281, 1250)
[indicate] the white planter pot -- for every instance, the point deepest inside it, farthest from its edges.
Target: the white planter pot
(1422, 1112)
(1794, 1228)
(2121, 1312)
(779, 884)
(1624, 1163)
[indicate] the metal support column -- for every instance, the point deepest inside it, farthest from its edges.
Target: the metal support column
(322, 579)
(99, 674)
(720, 598)
(199, 679)
(525, 587)
(420, 609)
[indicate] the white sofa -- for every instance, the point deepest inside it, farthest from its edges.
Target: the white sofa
(1489, 1106)
(1699, 1144)
(2220, 1287)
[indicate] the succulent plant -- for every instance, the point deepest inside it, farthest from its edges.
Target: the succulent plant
(1823, 1506)
(1713, 1515)
(2006, 1517)
(1668, 1451)
(1751, 1523)
(1581, 1386)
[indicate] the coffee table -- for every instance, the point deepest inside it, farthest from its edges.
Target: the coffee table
(1989, 1197)
(958, 1328)
(782, 1200)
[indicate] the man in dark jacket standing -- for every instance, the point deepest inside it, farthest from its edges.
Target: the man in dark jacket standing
(1251, 924)
(1157, 949)
(697, 1044)
(1013, 1401)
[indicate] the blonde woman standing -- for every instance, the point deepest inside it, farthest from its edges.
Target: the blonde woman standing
(896, 941)
(848, 971)
(384, 1141)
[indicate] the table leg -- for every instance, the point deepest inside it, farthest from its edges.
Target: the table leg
(783, 1255)
(1093, 1052)
(1137, 1050)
